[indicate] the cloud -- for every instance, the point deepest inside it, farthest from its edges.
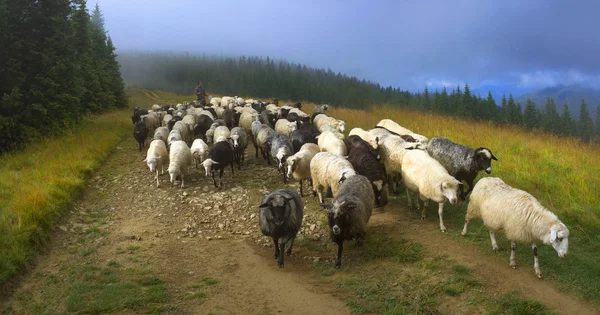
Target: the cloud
(544, 78)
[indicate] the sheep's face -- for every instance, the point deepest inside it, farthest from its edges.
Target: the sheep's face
(341, 126)
(276, 211)
(291, 166)
(281, 158)
(559, 238)
(173, 173)
(483, 159)
(337, 215)
(208, 163)
(235, 138)
(209, 136)
(378, 190)
(152, 163)
(451, 190)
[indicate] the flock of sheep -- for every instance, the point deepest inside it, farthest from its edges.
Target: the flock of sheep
(355, 170)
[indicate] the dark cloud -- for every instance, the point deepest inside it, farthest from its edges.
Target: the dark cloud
(525, 44)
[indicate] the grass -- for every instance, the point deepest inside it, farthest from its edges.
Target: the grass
(512, 303)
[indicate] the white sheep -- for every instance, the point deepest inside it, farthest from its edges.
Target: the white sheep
(299, 112)
(519, 215)
(151, 121)
(215, 101)
(166, 119)
(365, 135)
(298, 165)
(174, 135)
(162, 133)
(156, 156)
(180, 159)
(329, 170)
(329, 142)
(222, 133)
(272, 107)
(321, 119)
(429, 179)
(285, 127)
(155, 107)
(190, 122)
(338, 134)
(392, 149)
(199, 151)
(393, 126)
(246, 120)
(183, 129)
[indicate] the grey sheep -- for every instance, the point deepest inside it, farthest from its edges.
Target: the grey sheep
(349, 212)
(280, 216)
(281, 149)
(240, 143)
(461, 162)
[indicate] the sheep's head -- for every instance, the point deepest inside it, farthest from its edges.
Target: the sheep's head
(210, 133)
(341, 125)
(281, 158)
(173, 173)
(275, 210)
(291, 165)
(292, 126)
(559, 238)
(483, 159)
(337, 214)
(451, 190)
(235, 138)
(152, 163)
(208, 163)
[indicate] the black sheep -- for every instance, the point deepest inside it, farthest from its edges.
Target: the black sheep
(366, 164)
(140, 133)
(356, 142)
(306, 133)
(228, 118)
(219, 157)
(172, 122)
(203, 123)
(268, 118)
(137, 113)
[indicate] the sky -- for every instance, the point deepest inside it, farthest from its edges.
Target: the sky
(502, 46)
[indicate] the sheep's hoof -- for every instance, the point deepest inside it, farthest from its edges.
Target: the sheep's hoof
(443, 230)
(280, 265)
(495, 249)
(289, 252)
(539, 275)
(422, 217)
(513, 266)
(338, 265)
(463, 233)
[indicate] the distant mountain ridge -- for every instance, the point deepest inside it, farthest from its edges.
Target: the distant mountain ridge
(571, 94)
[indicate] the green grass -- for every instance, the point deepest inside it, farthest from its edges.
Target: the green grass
(512, 303)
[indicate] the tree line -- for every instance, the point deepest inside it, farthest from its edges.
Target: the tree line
(267, 78)
(58, 65)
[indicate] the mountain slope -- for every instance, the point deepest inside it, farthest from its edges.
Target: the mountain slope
(571, 94)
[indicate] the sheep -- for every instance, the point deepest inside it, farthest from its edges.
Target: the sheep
(222, 133)
(263, 140)
(174, 135)
(199, 151)
(256, 127)
(338, 134)
(166, 119)
(140, 133)
(285, 127)
(240, 143)
(393, 126)
(321, 108)
(328, 170)
(137, 115)
(156, 156)
(268, 118)
(203, 123)
(461, 162)
(298, 165)
(219, 157)
(183, 129)
(328, 142)
(365, 135)
(519, 215)
(379, 131)
(180, 159)
(231, 118)
(349, 213)
(356, 142)
(173, 121)
(272, 108)
(151, 121)
(306, 133)
(280, 216)
(210, 133)
(392, 150)
(190, 122)
(246, 120)
(281, 149)
(161, 133)
(215, 101)
(365, 162)
(322, 119)
(424, 175)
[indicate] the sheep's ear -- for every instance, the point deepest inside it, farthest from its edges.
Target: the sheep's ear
(343, 178)
(264, 204)
(376, 140)
(494, 158)
(552, 235)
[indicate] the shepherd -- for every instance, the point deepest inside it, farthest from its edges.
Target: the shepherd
(200, 94)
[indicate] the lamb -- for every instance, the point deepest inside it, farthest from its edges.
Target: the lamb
(365, 135)
(306, 133)
(268, 118)
(140, 133)
(280, 216)
(328, 170)
(161, 133)
(156, 156)
(281, 149)
(393, 126)
(199, 151)
(366, 163)
(424, 175)
(263, 141)
(180, 159)
(298, 165)
(240, 143)
(461, 162)
(349, 213)
(219, 157)
(329, 142)
(285, 127)
(519, 215)
(221, 133)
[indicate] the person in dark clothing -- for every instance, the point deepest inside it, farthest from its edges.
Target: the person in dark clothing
(200, 93)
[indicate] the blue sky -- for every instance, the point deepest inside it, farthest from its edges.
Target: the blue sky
(505, 46)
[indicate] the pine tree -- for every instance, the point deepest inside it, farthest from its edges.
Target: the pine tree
(105, 98)
(426, 99)
(550, 117)
(530, 116)
(116, 84)
(490, 108)
(463, 107)
(567, 125)
(512, 112)
(585, 125)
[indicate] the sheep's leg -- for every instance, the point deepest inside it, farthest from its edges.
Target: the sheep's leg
(221, 177)
(281, 254)
(157, 183)
(536, 264)
(464, 231)
(213, 177)
(256, 148)
(408, 199)
(284, 177)
(182, 182)
(320, 194)
(338, 264)
(513, 254)
(276, 245)
(441, 214)
(289, 250)
(301, 194)
(493, 239)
